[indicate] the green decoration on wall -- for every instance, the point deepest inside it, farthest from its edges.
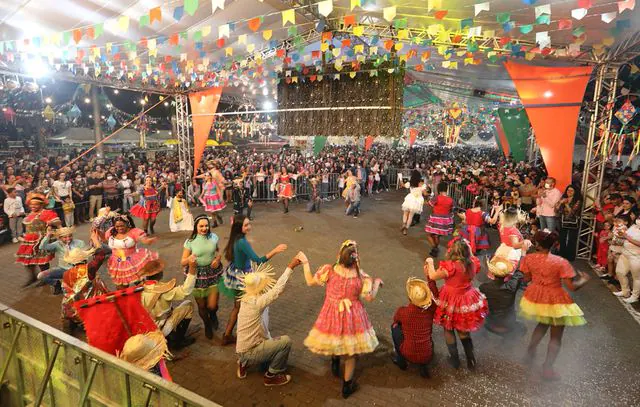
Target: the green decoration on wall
(516, 126)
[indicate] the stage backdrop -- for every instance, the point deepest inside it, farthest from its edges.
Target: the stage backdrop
(552, 97)
(515, 124)
(318, 90)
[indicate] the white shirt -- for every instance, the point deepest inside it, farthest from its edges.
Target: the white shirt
(630, 248)
(13, 206)
(62, 188)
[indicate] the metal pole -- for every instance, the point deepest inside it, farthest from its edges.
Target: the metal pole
(89, 383)
(47, 373)
(12, 349)
(97, 131)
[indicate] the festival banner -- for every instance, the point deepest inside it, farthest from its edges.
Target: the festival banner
(515, 124)
(318, 144)
(501, 138)
(552, 97)
(203, 105)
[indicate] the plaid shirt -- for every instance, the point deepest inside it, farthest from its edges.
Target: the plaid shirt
(417, 323)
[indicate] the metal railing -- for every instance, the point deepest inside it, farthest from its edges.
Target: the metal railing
(40, 365)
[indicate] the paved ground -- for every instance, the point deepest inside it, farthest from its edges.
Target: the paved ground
(599, 363)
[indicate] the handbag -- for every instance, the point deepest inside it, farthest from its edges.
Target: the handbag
(569, 222)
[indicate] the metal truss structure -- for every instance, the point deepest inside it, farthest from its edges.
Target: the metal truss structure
(185, 150)
(601, 113)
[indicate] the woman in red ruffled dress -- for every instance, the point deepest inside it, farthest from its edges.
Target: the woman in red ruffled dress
(127, 258)
(148, 207)
(473, 229)
(285, 189)
(343, 328)
(510, 236)
(36, 224)
(461, 307)
(440, 221)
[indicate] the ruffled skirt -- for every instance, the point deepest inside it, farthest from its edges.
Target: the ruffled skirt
(461, 311)
(550, 306)
(413, 204)
(150, 210)
(339, 333)
(440, 225)
(285, 191)
(29, 254)
(480, 236)
(207, 279)
(124, 268)
(212, 202)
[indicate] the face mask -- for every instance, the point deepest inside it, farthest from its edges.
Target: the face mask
(78, 179)
(547, 186)
(109, 178)
(124, 177)
(638, 222)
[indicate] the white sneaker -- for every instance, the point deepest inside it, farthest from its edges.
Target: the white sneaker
(15, 240)
(632, 299)
(42, 275)
(621, 294)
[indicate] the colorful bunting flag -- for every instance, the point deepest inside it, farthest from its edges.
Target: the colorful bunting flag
(355, 3)
(254, 23)
(190, 6)
(325, 7)
(626, 5)
(502, 18)
(178, 12)
(579, 13)
(608, 17)
(155, 14)
(481, 7)
(389, 13)
(440, 14)
(288, 16)
(565, 24)
(543, 19)
(626, 112)
(216, 4)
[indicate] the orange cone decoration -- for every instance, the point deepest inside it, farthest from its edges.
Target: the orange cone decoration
(205, 102)
(552, 97)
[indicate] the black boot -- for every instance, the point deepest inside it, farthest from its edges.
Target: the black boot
(208, 327)
(467, 344)
(178, 338)
(249, 210)
(424, 371)
(454, 358)
(348, 388)
(213, 316)
(335, 366)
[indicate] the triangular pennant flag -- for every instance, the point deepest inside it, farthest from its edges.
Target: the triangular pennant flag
(503, 18)
(586, 4)
(543, 19)
(434, 4)
(77, 35)
(544, 9)
(608, 17)
(223, 31)
(349, 20)
(440, 14)
(190, 6)
(579, 13)
(98, 30)
(123, 23)
(565, 24)
(481, 7)
(143, 21)
(355, 3)
(216, 4)
(178, 12)
(358, 30)
(155, 14)
(626, 5)
(206, 30)
(526, 29)
(254, 23)
(325, 7)
(288, 16)
(266, 34)
(389, 13)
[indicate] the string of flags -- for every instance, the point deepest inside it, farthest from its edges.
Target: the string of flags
(455, 39)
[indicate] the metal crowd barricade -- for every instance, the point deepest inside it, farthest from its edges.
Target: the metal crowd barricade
(40, 365)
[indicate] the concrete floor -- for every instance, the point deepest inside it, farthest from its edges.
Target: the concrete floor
(599, 362)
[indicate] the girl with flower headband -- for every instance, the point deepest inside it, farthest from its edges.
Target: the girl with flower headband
(36, 224)
(126, 257)
(461, 307)
(342, 328)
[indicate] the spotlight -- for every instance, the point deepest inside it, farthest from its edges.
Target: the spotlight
(265, 91)
(267, 105)
(548, 94)
(48, 100)
(108, 106)
(87, 100)
(143, 102)
(36, 68)
(166, 103)
(116, 91)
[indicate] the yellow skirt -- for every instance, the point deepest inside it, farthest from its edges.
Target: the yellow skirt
(552, 314)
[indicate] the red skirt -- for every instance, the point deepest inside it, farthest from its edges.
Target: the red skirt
(29, 254)
(461, 310)
(148, 211)
(285, 190)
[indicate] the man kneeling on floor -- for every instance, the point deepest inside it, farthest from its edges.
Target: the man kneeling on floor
(412, 325)
(158, 297)
(253, 345)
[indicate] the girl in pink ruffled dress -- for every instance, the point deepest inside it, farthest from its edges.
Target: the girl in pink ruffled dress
(343, 328)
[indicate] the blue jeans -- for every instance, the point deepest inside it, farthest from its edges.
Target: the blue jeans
(398, 338)
(274, 351)
(354, 207)
(548, 222)
(55, 275)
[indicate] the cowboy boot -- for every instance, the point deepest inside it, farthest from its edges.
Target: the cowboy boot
(213, 316)
(179, 339)
(454, 358)
(335, 366)
(348, 388)
(467, 344)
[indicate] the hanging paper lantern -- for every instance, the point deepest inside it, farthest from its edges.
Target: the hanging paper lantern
(111, 122)
(74, 112)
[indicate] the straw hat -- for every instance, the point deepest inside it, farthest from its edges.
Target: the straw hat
(419, 293)
(145, 350)
(152, 268)
(500, 266)
(66, 231)
(77, 255)
(258, 281)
